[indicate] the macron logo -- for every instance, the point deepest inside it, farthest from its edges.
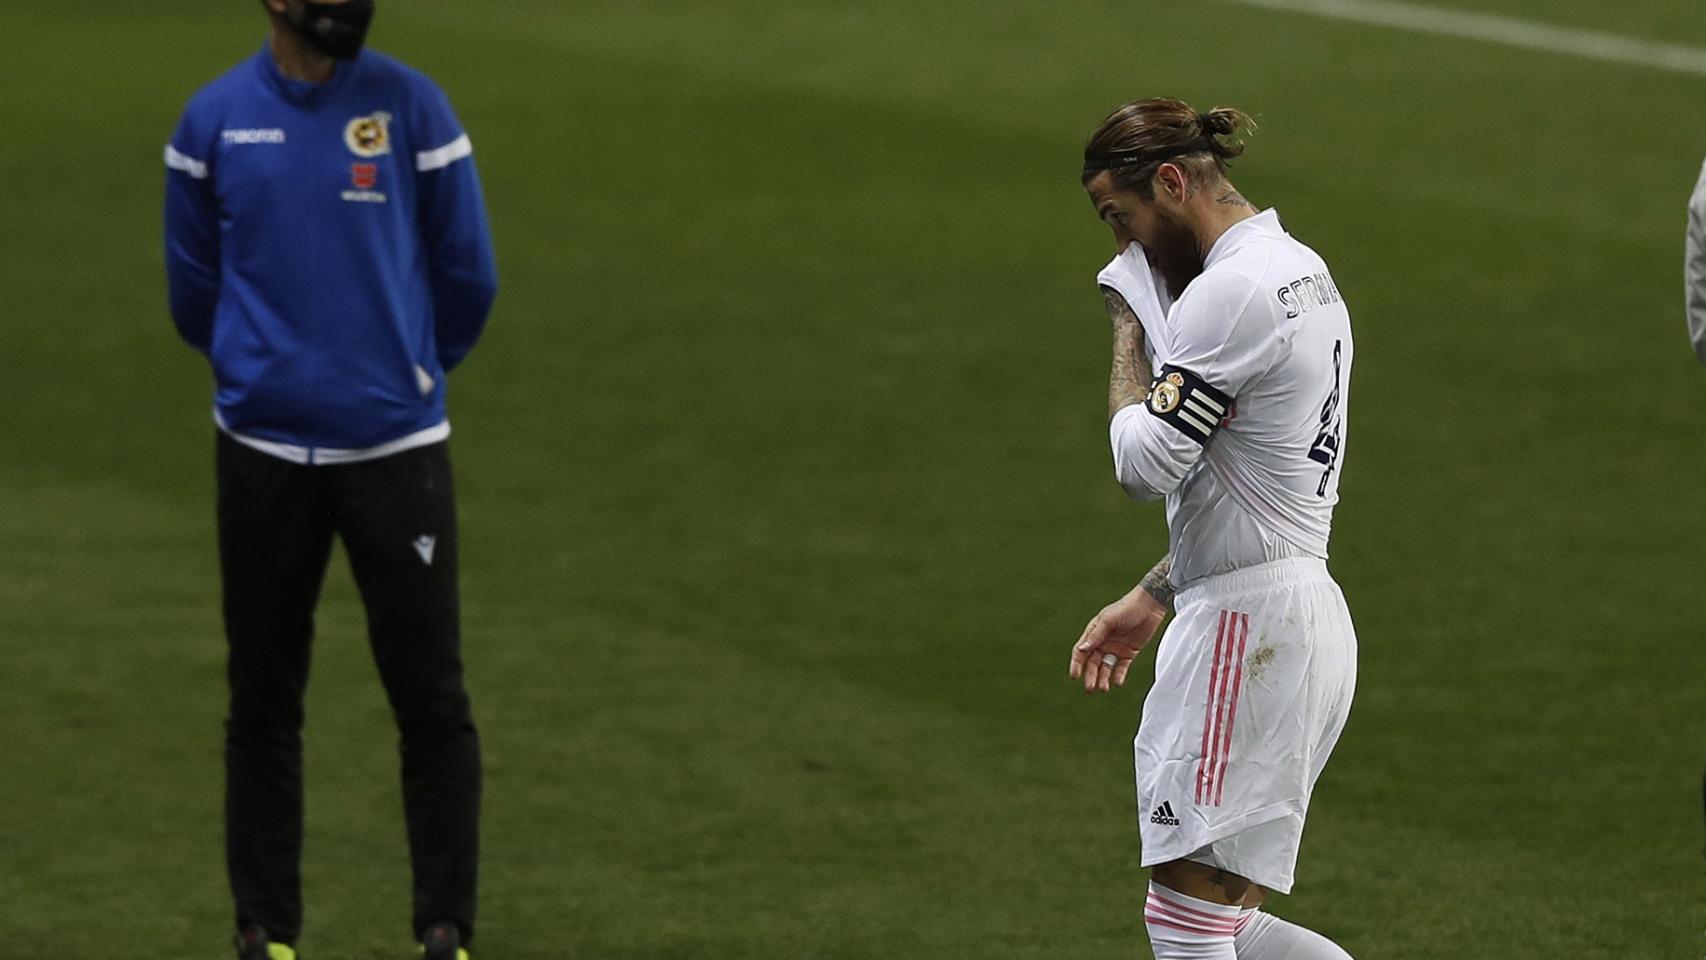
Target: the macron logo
(423, 545)
(252, 136)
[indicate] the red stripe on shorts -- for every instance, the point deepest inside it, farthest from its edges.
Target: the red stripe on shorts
(1208, 708)
(1243, 628)
(1216, 739)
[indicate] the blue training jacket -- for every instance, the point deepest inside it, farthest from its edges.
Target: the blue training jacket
(327, 248)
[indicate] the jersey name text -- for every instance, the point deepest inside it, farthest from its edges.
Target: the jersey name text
(1306, 293)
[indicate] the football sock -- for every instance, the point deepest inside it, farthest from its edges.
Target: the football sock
(1266, 937)
(1185, 928)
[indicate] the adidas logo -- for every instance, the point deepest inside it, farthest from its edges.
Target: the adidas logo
(1164, 815)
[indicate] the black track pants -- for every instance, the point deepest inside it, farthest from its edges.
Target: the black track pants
(397, 519)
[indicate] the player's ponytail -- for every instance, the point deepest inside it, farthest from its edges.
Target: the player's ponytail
(1228, 122)
(1137, 138)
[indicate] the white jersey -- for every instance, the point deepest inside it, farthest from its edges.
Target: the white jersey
(1244, 429)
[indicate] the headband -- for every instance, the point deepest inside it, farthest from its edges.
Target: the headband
(1122, 159)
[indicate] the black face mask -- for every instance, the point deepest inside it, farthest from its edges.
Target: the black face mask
(335, 29)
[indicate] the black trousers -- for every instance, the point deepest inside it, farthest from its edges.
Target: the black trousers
(397, 519)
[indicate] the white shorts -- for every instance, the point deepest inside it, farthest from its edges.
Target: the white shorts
(1253, 682)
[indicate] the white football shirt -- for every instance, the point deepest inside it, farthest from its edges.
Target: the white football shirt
(1245, 426)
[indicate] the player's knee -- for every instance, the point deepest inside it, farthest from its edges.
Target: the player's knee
(437, 715)
(264, 720)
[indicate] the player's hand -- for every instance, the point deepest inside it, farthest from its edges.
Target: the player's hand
(1104, 652)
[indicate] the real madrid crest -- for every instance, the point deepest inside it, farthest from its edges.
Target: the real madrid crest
(369, 136)
(1164, 396)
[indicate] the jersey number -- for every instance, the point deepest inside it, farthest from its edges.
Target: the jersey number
(1325, 450)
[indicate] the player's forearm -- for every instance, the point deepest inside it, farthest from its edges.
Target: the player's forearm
(1128, 383)
(1157, 582)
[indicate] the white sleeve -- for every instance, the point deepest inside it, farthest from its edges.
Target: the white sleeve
(1150, 457)
(1222, 342)
(1695, 267)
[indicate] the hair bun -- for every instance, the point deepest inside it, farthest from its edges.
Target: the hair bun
(1212, 125)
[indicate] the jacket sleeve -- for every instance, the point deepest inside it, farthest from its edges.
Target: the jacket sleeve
(192, 237)
(454, 230)
(1220, 345)
(1695, 268)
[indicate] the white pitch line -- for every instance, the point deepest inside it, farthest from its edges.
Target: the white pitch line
(1509, 31)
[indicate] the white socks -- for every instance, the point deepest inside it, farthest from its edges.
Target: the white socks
(1185, 928)
(1267, 937)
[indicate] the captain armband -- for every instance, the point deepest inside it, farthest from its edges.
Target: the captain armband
(1186, 401)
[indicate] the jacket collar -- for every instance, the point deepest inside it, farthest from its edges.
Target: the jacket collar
(299, 92)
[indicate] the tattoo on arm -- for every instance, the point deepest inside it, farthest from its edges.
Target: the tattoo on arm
(1129, 382)
(1156, 582)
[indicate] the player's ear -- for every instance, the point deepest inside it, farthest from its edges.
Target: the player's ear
(1171, 179)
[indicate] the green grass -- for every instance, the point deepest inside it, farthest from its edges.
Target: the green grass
(784, 488)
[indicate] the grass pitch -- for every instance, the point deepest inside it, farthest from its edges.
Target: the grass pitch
(784, 487)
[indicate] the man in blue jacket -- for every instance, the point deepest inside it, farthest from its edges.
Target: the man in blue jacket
(327, 249)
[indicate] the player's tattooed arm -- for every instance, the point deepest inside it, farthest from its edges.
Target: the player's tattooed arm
(1157, 584)
(1128, 384)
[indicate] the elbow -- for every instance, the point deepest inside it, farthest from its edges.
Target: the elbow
(1136, 483)
(1141, 465)
(482, 281)
(193, 316)
(1143, 478)
(197, 336)
(468, 283)
(456, 340)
